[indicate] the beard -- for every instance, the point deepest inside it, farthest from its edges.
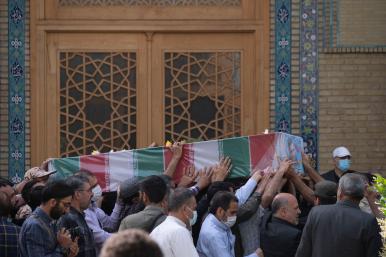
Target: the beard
(56, 212)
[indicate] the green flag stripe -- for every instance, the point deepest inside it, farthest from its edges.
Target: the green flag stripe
(148, 161)
(66, 166)
(238, 150)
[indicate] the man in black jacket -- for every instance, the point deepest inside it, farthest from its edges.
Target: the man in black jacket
(279, 236)
(341, 229)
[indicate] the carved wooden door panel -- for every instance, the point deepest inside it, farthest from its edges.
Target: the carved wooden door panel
(124, 90)
(97, 86)
(202, 86)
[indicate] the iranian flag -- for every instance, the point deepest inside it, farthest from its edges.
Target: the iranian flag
(246, 153)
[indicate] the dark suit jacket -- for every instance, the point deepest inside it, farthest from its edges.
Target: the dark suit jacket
(340, 230)
(278, 238)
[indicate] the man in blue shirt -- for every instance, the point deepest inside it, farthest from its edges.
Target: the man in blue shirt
(216, 238)
(38, 236)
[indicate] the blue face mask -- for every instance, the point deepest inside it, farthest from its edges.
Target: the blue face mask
(344, 164)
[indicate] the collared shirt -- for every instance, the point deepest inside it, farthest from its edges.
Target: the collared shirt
(9, 233)
(245, 191)
(38, 236)
(75, 219)
(174, 238)
(215, 239)
(101, 224)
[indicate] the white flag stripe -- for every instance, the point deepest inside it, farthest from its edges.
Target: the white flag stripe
(206, 154)
(121, 167)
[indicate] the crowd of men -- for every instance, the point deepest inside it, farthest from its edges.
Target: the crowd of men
(273, 213)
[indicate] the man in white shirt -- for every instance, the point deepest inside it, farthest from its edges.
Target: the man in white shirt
(173, 235)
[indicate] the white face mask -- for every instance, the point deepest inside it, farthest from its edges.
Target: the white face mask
(230, 221)
(97, 191)
(193, 220)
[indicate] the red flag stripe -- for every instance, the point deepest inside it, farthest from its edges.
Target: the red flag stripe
(262, 150)
(185, 161)
(98, 165)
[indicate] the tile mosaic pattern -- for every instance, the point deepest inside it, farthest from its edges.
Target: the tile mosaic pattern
(283, 66)
(16, 90)
(308, 70)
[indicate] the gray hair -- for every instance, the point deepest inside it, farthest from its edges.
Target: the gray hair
(179, 197)
(76, 182)
(352, 185)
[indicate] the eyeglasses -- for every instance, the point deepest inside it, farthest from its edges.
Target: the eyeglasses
(348, 157)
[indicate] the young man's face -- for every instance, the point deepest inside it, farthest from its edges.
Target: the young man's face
(232, 210)
(61, 207)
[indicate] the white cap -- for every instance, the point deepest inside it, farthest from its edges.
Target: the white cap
(341, 151)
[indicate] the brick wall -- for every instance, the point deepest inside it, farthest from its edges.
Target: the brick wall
(352, 100)
(352, 108)
(362, 22)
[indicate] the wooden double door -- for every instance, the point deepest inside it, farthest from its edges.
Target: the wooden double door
(103, 91)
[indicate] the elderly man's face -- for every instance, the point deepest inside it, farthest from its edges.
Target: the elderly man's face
(292, 211)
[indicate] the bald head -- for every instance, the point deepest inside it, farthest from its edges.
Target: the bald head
(285, 207)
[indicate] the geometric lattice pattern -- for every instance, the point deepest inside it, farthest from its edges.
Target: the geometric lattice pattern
(150, 2)
(202, 95)
(97, 102)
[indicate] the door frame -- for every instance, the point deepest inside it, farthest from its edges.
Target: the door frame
(43, 27)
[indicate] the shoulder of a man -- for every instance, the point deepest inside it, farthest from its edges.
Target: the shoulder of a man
(69, 220)
(141, 218)
(323, 210)
(132, 218)
(329, 175)
(33, 228)
(209, 229)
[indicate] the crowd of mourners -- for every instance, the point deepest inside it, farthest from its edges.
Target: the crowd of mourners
(273, 213)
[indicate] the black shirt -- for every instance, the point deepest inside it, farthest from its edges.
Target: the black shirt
(331, 175)
(278, 238)
(75, 219)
